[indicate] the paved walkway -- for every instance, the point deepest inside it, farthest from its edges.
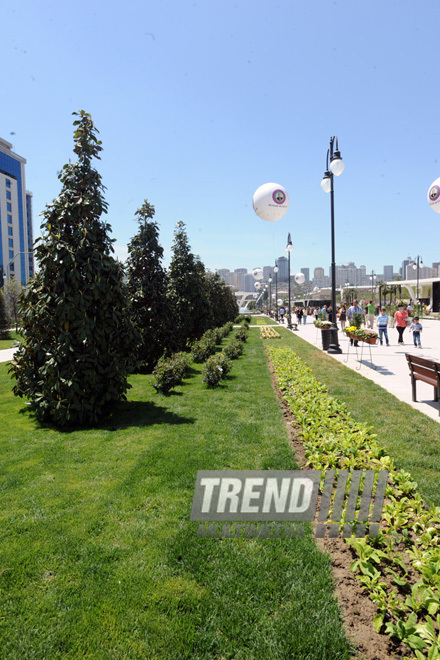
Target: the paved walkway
(391, 370)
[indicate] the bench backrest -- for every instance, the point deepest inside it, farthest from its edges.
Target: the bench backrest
(423, 366)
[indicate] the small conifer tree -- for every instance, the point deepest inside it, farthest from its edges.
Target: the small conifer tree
(187, 300)
(78, 342)
(147, 286)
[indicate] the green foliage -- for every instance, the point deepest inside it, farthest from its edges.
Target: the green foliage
(168, 373)
(78, 342)
(147, 286)
(12, 291)
(213, 371)
(4, 318)
(182, 362)
(241, 334)
(234, 349)
(202, 349)
(410, 533)
(225, 363)
(187, 299)
(357, 319)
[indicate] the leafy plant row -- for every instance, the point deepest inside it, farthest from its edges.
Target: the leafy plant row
(407, 607)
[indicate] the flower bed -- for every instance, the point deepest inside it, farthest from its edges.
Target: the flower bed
(269, 333)
(324, 325)
(410, 533)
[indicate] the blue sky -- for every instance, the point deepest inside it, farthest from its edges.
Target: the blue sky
(199, 103)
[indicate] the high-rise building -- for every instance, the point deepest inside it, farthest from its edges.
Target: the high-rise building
(267, 272)
(388, 272)
(283, 269)
(306, 273)
(16, 258)
(405, 263)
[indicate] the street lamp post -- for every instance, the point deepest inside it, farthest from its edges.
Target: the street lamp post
(289, 249)
(418, 265)
(275, 270)
(336, 168)
(270, 295)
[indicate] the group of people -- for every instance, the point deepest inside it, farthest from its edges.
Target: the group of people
(401, 321)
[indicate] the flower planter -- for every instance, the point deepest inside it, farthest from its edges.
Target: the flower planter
(370, 340)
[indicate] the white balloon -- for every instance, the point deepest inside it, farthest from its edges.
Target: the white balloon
(257, 285)
(270, 201)
(300, 278)
(434, 196)
(257, 273)
(279, 301)
(315, 289)
(255, 295)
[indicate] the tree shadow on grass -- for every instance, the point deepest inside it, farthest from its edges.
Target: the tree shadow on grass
(125, 414)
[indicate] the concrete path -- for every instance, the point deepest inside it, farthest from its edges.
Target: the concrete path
(391, 370)
(7, 354)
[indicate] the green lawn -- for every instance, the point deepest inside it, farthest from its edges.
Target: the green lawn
(262, 320)
(98, 559)
(8, 343)
(410, 437)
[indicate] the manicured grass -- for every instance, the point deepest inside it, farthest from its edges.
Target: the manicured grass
(98, 559)
(262, 320)
(8, 343)
(411, 438)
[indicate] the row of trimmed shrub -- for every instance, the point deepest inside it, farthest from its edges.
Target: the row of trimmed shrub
(218, 366)
(170, 371)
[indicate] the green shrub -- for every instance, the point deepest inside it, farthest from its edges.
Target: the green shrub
(247, 319)
(212, 371)
(181, 361)
(226, 328)
(234, 349)
(224, 362)
(239, 319)
(241, 334)
(168, 374)
(202, 349)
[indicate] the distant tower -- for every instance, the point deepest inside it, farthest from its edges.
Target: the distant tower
(16, 258)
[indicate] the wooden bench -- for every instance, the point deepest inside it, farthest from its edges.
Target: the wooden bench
(425, 370)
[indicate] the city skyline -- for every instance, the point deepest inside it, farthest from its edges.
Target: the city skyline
(354, 275)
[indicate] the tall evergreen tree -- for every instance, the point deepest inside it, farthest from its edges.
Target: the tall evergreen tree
(147, 285)
(222, 303)
(187, 301)
(78, 341)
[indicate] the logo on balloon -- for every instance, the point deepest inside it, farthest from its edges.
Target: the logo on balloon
(434, 193)
(434, 196)
(278, 197)
(270, 201)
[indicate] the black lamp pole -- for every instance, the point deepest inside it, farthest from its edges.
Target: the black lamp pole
(275, 270)
(336, 168)
(289, 249)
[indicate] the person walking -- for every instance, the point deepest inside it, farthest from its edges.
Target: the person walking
(342, 316)
(400, 320)
(382, 323)
(416, 328)
(370, 314)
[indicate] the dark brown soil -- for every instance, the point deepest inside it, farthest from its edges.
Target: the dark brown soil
(357, 610)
